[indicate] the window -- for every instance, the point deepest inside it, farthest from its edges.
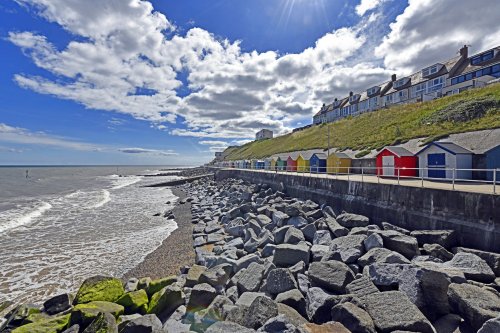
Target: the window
(482, 58)
(431, 70)
(401, 82)
(388, 99)
(373, 91)
(373, 102)
(435, 84)
(495, 69)
(354, 98)
(420, 88)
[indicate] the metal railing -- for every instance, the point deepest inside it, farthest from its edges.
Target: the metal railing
(453, 178)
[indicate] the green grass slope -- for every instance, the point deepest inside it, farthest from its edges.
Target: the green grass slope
(472, 110)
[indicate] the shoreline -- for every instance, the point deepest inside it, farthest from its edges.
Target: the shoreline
(175, 251)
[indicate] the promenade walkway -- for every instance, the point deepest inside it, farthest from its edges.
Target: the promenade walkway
(463, 186)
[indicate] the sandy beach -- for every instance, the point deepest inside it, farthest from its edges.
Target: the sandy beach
(176, 250)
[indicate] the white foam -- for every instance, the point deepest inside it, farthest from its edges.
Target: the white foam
(106, 198)
(15, 219)
(122, 182)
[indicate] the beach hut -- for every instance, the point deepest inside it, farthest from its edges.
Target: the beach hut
(267, 163)
(338, 163)
(303, 162)
(273, 165)
(392, 161)
(281, 163)
(439, 159)
(318, 163)
(260, 164)
(253, 164)
(493, 162)
(291, 162)
(246, 164)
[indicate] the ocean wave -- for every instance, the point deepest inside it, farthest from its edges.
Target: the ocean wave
(122, 182)
(106, 198)
(15, 219)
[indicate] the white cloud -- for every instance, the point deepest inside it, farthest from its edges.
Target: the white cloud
(126, 63)
(213, 143)
(147, 151)
(126, 57)
(23, 136)
(367, 5)
(10, 150)
(430, 31)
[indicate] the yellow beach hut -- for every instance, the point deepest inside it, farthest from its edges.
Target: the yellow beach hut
(338, 163)
(303, 164)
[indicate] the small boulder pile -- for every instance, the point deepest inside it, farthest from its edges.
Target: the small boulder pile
(266, 262)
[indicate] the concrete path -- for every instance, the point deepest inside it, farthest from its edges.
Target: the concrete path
(464, 186)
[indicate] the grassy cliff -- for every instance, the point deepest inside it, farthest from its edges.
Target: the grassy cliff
(472, 110)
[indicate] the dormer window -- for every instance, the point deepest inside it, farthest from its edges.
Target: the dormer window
(401, 83)
(373, 91)
(354, 98)
(482, 58)
(336, 104)
(426, 72)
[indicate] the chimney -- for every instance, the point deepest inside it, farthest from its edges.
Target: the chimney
(351, 93)
(335, 100)
(393, 77)
(464, 52)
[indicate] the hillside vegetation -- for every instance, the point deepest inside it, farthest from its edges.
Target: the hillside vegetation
(471, 110)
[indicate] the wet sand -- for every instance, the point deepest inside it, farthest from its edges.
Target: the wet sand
(176, 250)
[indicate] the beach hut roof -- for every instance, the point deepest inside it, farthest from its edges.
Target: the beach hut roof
(306, 155)
(399, 151)
(340, 155)
(321, 156)
(450, 147)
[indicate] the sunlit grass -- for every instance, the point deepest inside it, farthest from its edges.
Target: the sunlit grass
(376, 129)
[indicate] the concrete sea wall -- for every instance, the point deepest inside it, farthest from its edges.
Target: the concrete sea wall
(475, 216)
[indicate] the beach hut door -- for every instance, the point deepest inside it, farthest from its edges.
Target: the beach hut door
(437, 165)
(388, 165)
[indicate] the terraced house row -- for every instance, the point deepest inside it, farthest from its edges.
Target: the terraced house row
(440, 79)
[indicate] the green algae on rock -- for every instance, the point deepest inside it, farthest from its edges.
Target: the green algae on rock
(103, 323)
(166, 300)
(50, 325)
(157, 285)
(99, 288)
(86, 313)
(135, 301)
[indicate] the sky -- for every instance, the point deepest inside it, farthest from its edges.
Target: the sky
(171, 82)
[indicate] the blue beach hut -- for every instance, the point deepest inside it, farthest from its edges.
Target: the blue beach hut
(318, 163)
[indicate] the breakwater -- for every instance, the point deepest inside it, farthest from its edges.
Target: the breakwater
(475, 216)
(267, 261)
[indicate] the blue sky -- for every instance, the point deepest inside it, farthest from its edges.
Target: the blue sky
(170, 82)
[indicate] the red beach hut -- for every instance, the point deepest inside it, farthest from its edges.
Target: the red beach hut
(291, 162)
(393, 160)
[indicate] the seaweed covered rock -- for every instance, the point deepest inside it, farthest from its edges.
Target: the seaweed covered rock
(166, 300)
(103, 323)
(99, 288)
(135, 301)
(50, 325)
(84, 314)
(157, 285)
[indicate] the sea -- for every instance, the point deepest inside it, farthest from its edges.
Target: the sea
(61, 225)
